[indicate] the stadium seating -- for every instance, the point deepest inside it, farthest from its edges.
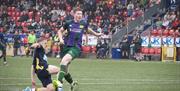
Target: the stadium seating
(93, 49)
(171, 32)
(165, 32)
(154, 32)
(86, 49)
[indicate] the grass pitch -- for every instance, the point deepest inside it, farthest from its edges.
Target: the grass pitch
(99, 75)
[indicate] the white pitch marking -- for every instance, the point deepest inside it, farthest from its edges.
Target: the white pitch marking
(95, 79)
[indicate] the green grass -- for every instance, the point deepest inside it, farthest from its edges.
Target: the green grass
(99, 75)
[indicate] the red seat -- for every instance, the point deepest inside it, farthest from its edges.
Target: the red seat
(159, 32)
(13, 9)
(165, 33)
(154, 32)
(1, 29)
(9, 13)
(93, 49)
(86, 49)
(158, 51)
(18, 23)
(177, 33)
(30, 14)
(146, 50)
(21, 13)
(171, 32)
(23, 24)
(151, 50)
(17, 18)
(17, 14)
(14, 18)
(142, 50)
(13, 14)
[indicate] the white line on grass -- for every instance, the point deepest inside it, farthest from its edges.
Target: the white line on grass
(92, 83)
(96, 79)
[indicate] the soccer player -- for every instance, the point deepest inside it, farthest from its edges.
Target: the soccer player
(72, 44)
(42, 69)
(3, 47)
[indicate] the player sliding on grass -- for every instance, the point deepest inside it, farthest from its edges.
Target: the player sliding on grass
(72, 44)
(43, 70)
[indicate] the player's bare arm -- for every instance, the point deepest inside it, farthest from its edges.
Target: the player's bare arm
(35, 45)
(33, 77)
(94, 33)
(60, 35)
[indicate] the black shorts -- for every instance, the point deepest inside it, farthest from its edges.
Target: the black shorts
(44, 77)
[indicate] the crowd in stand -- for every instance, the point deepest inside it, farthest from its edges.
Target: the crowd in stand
(45, 17)
(164, 25)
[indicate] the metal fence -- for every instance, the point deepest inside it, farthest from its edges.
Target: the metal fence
(117, 37)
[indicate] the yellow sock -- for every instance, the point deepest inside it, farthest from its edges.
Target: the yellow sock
(37, 89)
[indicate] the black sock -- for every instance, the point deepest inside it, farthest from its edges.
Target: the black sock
(68, 78)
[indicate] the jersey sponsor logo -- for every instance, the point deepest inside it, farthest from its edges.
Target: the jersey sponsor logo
(76, 30)
(81, 26)
(38, 67)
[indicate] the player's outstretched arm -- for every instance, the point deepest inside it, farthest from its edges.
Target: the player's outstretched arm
(33, 77)
(94, 33)
(35, 45)
(60, 35)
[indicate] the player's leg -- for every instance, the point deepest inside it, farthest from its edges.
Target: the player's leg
(4, 56)
(70, 54)
(49, 87)
(45, 77)
(53, 69)
(64, 72)
(15, 51)
(64, 66)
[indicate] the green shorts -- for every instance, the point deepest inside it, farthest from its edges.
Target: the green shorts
(73, 51)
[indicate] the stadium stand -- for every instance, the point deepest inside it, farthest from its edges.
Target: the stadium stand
(102, 15)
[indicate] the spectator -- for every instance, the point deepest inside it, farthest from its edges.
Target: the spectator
(137, 41)
(165, 23)
(130, 8)
(159, 22)
(125, 47)
(17, 43)
(98, 46)
(54, 17)
(24, 17)
(31, 40)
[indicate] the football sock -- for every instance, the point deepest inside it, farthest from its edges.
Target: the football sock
(68, 78)
(37, 89)
(4, 58)
(63, 71)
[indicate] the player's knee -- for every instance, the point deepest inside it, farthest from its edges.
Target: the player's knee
(50, 88)
(63, 62)
(66, 60)
(56, 70)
